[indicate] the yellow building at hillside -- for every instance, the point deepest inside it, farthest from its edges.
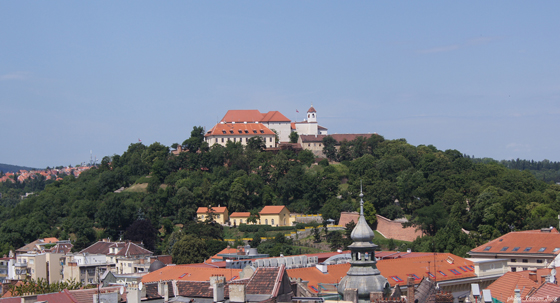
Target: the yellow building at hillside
(275, 216)
(220, 214)
(237, 218)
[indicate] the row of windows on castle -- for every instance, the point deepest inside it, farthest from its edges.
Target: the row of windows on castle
(240, 139)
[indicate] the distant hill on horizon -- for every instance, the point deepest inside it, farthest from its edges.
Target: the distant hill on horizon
(7, 168)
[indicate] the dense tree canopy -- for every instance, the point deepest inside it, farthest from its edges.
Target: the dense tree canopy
(439, 192)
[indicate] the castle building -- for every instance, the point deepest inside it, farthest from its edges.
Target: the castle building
(309, 126)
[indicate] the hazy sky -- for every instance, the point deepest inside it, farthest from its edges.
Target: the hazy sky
(480, 77)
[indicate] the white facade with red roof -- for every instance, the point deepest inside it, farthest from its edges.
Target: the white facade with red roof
(524, 250)
(309, 126)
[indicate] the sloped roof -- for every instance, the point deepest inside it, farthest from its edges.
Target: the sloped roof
(546, 292)
(239, 129)
(338, 137)
(239, 214)
(399, 269)
(152, 290)
(86, 295)
(216, 209)
(264, 279)
(132, 249)
(315, 276)
(274, 116)
(527, 242)
(242, 115)
(33, 245)
(311, 110)
(99, 247)
(272, 209)
(504, 287)
(189, 273)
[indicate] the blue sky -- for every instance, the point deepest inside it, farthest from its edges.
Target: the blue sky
(482, 77)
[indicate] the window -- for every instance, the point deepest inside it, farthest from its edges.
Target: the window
(218, 216)
(462, 268)
(240, 131)
(442, 273)
(514, 269)
(455, 271)
(487, 248)
(396, 278)
(265, 221)
(527, 249)
(504, 248)
(272, 221)
(270, 139)
(223, 132)
(31, 261)
(254, 131)
(234, 221)
(182, 276)
(539, 261)
(525, 261)
(231, 131)
(542, 249)
(222, 140)
(515, 248)
(234, 139)
(431, 275)
(513, 260)
(415, 277)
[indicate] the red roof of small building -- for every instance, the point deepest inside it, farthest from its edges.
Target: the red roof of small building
(215, 209)
(238, 214)
(503, 288)
(242, 115)
(527, 242)
(311, 110)
(272, 209)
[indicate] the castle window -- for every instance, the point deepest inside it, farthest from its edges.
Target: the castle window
(222, 140)
(231, 131)
(254, 131)
(240, 131)
(223, 131)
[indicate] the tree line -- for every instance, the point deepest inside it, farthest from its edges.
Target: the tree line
(440, 192)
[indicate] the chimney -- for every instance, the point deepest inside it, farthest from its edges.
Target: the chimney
(218, 283)
(533, 276)
(410, 289)
(134, 294)
(237, 293)
(322, 268)
(517, 298)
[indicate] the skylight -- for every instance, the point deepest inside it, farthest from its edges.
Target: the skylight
(396, 278)
(542, 249)
(504, 248)
(431, 275)
(487, 248)
(515, 248)
(455, 271)
(556, 249)
(527, 249)
(462, 268)
(442, 273)
(415, 277)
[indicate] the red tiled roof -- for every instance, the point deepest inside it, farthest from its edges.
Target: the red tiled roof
(274, 116)
(239, 129)
(315, 276)
(311, 110)
(264, 279)
(132, 249)
(534, 239)
(547, 292)
(272, 210)
(99, 247)
(86, 295)
(238, 214)
(189, 273)
(216, 209)
(503, 288)
(242, 115)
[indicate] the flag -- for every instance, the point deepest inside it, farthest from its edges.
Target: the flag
(139, 140)
(297, 111)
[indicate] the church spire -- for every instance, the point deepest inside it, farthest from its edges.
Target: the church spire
(363, 274)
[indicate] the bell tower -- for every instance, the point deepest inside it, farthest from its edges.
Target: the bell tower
(312, 114)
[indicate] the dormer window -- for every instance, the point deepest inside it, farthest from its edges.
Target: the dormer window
(542, 249)
(487, 248)
(527, 249)
(231, 131)
(262, 131)
(254, 131)
(224, 132)
(240, 131)
(246, 131)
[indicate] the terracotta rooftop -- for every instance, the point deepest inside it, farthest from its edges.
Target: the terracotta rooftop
(126, 249)
(238, 129)
(311, 110)
(238, 214)
(253, 115)
(315, 276)
(33, 245)
(86, 295)
(216, 209)
(272, 209)
(132, 249)
(189, 273)
(503, 288)
(523, 242)
(264, 279)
